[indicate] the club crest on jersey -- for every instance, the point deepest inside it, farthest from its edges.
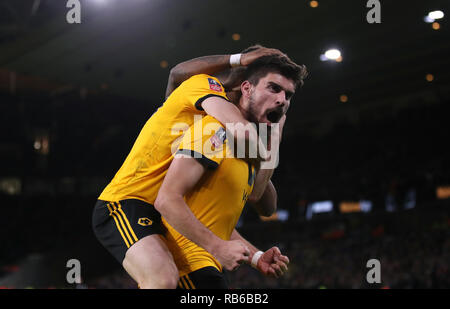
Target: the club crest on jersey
(145, 221)
(214, 85)
(218, 138)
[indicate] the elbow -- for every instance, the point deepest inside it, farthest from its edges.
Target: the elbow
(263, 208)
(161, 202)
(175, 74)
(253, 199)
(267, 212)
(167, 202)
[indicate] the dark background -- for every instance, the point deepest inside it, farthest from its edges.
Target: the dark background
(73, 98)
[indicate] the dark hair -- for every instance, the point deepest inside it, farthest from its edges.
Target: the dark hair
(276, 64)
(252, 48)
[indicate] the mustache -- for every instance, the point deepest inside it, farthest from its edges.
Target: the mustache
(274, 115)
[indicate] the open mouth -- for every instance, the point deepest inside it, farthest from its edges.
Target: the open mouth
(274, 116)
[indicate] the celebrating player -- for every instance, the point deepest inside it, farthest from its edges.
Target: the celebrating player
(124, 218)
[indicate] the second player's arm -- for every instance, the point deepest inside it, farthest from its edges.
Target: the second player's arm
(202, 65)
(210, 65)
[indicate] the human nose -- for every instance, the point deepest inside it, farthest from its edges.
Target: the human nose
(281, 99)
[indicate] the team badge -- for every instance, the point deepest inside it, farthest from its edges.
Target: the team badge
(214, 85)
(218, 138)
(145, 221)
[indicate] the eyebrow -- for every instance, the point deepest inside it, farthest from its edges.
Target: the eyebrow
(288, 93)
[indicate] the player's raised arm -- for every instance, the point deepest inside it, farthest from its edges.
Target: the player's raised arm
(183, 175)
(213, 64)
(202, 65)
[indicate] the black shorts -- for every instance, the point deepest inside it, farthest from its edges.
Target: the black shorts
(204, 278)
(119, 225)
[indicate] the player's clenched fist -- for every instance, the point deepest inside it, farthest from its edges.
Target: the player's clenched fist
(231, 254)
(273, 263)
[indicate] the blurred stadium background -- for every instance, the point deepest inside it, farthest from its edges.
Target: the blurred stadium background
(364, 169)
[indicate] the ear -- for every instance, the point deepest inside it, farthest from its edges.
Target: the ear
(246, 89)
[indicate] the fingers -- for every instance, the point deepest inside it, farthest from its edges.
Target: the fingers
(274, 51)
(235, 267)
(272, 273)
(282, 267)
(282, 258)
(246, 251)
(278, 256)
(241, 256)
(277, 269)
(269, 52)
(255, 54)
(245, 258)
(280, 262)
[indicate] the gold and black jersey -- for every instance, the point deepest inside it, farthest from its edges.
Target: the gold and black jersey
(143, 171)
(218, 199)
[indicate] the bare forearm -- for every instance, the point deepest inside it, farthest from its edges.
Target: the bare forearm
(181, 218)
(236, 236)
(205, 65)
(211, 65)
(267, 204)
(263, 177)
(202, 65)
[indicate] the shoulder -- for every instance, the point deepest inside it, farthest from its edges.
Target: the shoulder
(211, 121)
(205, 80)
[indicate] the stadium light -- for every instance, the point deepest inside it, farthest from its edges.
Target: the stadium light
(436, 15)
(432, 16)
(428, 19)
(332, 54)
(436, 26)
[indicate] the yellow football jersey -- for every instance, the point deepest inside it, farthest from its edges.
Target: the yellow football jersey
(218, 199)
(143, 171)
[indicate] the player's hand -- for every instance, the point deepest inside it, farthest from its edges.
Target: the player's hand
(272, 263)
(231, 254)
(249, 57)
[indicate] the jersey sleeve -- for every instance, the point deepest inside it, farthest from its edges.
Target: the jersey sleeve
(205, 141)
(200, 87)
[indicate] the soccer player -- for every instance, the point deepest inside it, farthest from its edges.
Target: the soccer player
(205, 189)
(124, 219)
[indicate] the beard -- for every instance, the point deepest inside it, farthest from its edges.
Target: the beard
(252, 110)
